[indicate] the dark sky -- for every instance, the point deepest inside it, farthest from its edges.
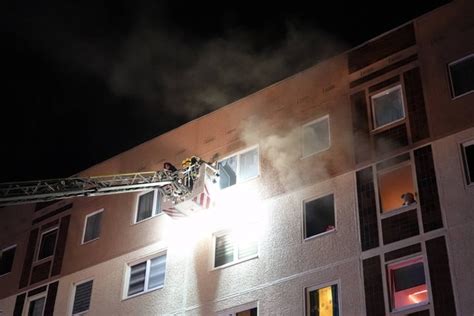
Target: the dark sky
(84, 81)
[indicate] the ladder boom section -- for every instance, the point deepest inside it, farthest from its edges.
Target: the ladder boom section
(172, 184)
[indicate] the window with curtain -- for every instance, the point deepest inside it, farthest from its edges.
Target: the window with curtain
(387, 106)
(148, 205)
(147, 275)
(82, 297)
(230, 248)
(238, 168)
(322, 301)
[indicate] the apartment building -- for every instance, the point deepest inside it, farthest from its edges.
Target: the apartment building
(346, 189)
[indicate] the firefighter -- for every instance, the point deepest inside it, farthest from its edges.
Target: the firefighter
(168, 166)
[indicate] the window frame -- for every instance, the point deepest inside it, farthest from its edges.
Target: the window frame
(386, 90)
(237, 172)
(454, 62)
(1, 255)
(85, 227)
(308, 289)
(416, 256)
(235, 253)
(313, 198)
(33, 298)
(157, 211)
(74, 287)
(319, 119)
(465, 167)
(238, 309)
(128, 269)
(38, 248)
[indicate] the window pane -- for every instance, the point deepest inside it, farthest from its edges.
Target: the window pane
(137, 278)
(408, 277)
(396, 188)
(157, 272)
(248, 165)
(462, 76)
(224, 252)
(469, 162)
(82, 297)
(36, 307)
(319, 216)
(388, 107)
(6, 260)
(93, 227)
(323, 302)
(228, 172)
(145, 205)
(316, 137)
(48, 242)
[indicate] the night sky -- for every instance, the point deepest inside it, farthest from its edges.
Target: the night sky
(83, 82)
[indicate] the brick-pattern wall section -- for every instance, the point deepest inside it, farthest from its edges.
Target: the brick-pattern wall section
(360, 127)
(20, 301)
(402, 252)
(416, 105)
(400, 226)
(369, 236)
(373, 287)
(40, 272)
(61, 245)
(390, 139)
(51, 299)
(428, 189)
(441, 286)
(30, 253)
(382, 47)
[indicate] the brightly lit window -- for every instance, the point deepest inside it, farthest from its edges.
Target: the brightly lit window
(7, 255)
(319, 216)
(82, 297)
(387, 106)
(238, 168)
(35, 305)
(148, 205)
(322, 301)
(316, 136)
(468, 160)
(47, 244)
(232, 247)
(396, 187)
(461, 75)
(407, 283)
(92, 226)
(147, 275)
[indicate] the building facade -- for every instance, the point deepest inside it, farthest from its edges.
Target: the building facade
(346, 189)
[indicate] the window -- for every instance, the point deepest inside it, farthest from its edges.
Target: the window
(238, 168)
(316, 136)
(249, 309)
(461, 75)
(319, 216)
(387, 106)
(7, 256)
(47, 244)
(146, 275)
(35, 305)
(92, 226)
(396, 187)
(230, 248)
(468, 160)
(82, 297)
(407, 283)
(148, 205)
(322, 301)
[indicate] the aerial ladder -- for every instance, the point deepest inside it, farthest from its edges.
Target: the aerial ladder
(183, 191)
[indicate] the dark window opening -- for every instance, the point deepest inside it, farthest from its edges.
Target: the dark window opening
(461, 74)
(468, 159)
(6, 260)
(47, 244)
(319, 216)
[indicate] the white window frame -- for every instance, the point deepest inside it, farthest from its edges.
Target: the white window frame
(1, 254)
(236, 251)
(128, 269)
(304, 216)
(155, 212)
(30, 299)
(465, 166)
(457, 61)
(38, 248)
(241, 308)
(320, 119)
(85, 226)
(306, 291)
(74, 294)
(392, 309)
(237, 171)
(383, 92)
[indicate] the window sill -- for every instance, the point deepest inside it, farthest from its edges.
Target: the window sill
(234, 262)
(315, 153)
(81, 313)
(6, 273)
(89, 241)
(409, 308)
(239, 183)
(399, 210)
(462, 95)
(307, 239)
(43, 260)
(388, 126)
(142, 293)
(148, 218)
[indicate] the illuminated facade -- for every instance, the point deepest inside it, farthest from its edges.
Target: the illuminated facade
(346, 189)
